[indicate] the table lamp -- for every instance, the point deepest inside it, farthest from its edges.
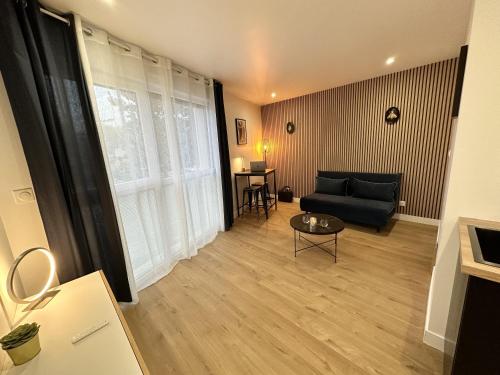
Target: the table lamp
(10, 277)
(265, 147)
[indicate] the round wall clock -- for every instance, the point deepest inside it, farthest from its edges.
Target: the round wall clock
(290, 128)
(392, 115)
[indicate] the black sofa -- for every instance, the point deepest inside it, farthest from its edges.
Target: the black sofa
(367, 198)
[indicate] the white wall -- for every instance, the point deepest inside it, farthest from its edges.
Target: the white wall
(7, 306)
(474, 183)
(239, 108)
(22, 222)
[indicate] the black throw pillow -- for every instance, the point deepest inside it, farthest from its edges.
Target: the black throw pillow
(380, 191)
(332, 186)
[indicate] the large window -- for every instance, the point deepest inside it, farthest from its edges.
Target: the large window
(159, 135)
(194, 138)
(159, 116)
(119, 115)
(160, 149)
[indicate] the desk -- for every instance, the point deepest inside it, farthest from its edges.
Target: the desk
(78, 305)
(264, 174)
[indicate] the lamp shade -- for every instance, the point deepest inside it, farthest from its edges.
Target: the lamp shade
(265, 145)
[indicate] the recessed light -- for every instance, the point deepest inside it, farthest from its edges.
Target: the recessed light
(273, 95)
(390, 60)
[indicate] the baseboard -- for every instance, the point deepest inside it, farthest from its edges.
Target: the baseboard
(431, 338)
(434, 340)
(127, 305)
(439, 342)
(417, 219)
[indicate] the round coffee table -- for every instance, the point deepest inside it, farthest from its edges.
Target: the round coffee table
(300, 224)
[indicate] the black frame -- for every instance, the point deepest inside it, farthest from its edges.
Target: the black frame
(261, 174)
(316, 244)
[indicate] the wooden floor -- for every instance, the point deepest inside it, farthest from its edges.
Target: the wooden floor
(245, 305)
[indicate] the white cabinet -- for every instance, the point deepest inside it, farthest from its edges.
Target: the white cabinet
(79, 305)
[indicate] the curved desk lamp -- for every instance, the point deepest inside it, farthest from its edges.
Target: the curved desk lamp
(13, 268)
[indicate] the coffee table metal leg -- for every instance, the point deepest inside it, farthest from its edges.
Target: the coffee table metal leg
(335, 257)
(333, 242)
(295, 241)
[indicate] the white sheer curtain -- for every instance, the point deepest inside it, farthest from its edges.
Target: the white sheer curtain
(158, 130)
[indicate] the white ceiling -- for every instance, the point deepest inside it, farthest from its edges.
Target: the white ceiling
(292, 47)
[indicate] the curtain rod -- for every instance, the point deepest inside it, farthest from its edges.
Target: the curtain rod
(89, 31)
(53, 15)
(120, 44)
(196, 77)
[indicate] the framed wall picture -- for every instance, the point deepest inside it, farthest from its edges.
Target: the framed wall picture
(241, 131)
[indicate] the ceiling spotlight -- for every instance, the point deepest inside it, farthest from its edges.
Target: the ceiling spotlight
(390, 60)
(273, 95)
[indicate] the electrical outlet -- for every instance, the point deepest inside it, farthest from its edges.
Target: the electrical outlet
(402, 203)
(22, 196)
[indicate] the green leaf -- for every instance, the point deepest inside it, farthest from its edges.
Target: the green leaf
(19, 335)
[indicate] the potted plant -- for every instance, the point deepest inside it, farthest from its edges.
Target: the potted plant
(22, 344)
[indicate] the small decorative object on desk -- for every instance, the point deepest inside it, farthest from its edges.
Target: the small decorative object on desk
(305, 219)
(313, 221)
(323, 223)
(22, 344)
(242, 163)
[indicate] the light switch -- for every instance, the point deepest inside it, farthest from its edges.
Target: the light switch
(22, 196)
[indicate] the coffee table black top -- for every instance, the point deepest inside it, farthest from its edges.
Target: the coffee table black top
(335, 225)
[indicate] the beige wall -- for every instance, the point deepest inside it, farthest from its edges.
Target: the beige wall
(239, 108)
(22, 222)
(7, 307)
(6, 259)
(474, 181)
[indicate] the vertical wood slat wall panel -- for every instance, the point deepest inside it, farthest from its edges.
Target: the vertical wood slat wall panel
(343, 128)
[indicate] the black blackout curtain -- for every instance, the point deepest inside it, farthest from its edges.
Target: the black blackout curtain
(225, 161)
(42, 73)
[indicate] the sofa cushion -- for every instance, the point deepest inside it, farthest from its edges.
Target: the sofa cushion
(334, 186)
(348, 208)
(381, 191)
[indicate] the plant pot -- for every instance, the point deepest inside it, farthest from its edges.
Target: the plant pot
(25, 352)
